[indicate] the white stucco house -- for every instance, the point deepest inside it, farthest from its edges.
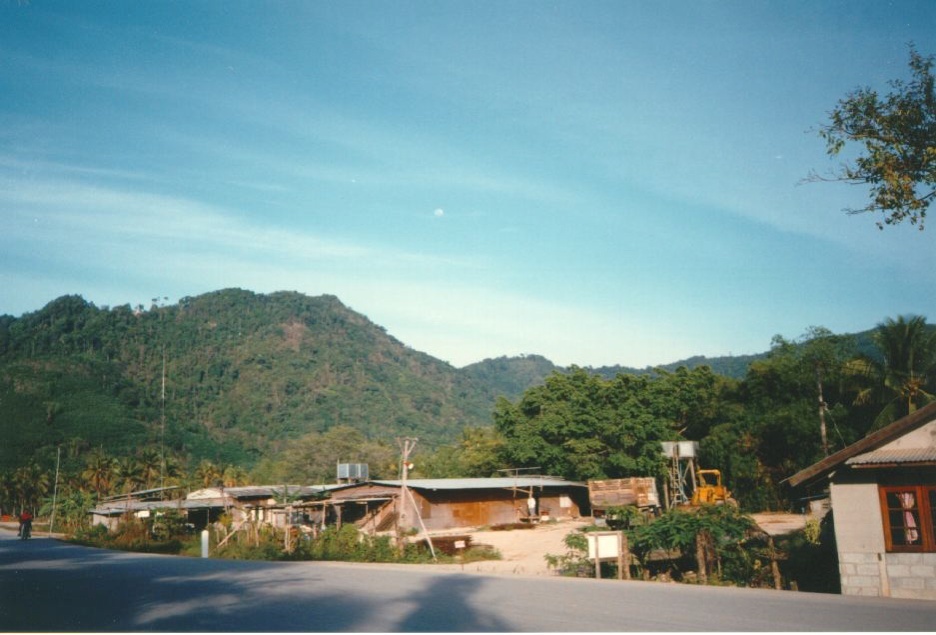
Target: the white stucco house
(883, 500)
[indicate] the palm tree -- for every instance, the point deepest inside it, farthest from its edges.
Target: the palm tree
(232, 476)
(902, 378)
(130, 472)
(208, 474)
(99, 472)
(20, 488)
(41, 484)
(29, 484)
(151, 467)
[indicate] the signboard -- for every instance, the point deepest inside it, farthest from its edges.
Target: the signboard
(609, 545)
(604, 545)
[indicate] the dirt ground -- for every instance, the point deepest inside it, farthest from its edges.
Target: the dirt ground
(523, 550)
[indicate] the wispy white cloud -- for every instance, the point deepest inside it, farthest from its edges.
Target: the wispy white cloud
(64, 211)
(137, 241)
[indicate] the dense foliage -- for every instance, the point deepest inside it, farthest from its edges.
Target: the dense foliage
(236, 388)
(245, 375)
(714, 545)
(581, 426)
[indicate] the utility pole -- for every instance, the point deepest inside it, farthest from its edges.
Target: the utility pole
(407, 444)
(822, 411)
(58, 460)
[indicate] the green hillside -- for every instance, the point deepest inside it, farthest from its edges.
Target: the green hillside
(234, 376)
(244, 374)
(509, 376)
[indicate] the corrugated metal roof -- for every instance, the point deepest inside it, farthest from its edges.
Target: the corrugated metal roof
(263, 491)
(120, 507)
(882, 437)
(505, 482)
(908, 455)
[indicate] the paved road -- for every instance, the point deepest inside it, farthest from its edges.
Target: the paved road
(47, 585)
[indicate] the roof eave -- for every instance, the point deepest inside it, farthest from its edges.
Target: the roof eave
(871, 442)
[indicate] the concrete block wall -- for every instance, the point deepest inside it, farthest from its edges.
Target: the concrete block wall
(861, 574)
(912, 575)
(898, 575)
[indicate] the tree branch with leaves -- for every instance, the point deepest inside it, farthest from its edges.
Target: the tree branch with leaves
(898, 135)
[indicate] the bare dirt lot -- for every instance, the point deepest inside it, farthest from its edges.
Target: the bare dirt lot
(523, 551)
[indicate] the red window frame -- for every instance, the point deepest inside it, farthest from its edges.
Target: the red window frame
(909, 513)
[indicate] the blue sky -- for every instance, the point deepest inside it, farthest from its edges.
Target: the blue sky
(597, 182)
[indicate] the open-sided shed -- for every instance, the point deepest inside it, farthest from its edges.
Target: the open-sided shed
(471, 502)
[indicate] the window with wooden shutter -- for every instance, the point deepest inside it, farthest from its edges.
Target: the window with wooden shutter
(909, 513)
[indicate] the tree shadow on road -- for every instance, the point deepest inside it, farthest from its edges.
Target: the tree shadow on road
(446, 605)
(51, 586)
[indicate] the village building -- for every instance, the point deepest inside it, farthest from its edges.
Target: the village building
(450, 503)
(264, 504)
(883, 499)
(374, 506)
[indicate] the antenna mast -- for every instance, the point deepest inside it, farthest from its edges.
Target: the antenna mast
(162, 427)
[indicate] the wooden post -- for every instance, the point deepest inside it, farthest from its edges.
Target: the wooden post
(774, 567)
(624, 560)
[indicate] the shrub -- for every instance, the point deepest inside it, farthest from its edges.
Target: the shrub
(812, 558)
(574, 562)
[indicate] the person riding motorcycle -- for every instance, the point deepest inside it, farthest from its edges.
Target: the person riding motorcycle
(25, 528)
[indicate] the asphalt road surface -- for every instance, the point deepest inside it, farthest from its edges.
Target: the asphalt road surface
(47, 585)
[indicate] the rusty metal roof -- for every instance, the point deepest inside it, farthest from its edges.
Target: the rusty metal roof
(504, 482)
(889, 457)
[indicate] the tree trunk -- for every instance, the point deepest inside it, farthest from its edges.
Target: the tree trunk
(701, 556)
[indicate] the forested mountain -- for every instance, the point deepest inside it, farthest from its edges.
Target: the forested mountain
(244, 374)
(510, 376)
(236, 377)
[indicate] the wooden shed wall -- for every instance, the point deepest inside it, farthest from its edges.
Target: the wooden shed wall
(445, 509)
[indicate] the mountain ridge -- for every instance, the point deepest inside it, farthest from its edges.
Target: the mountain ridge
(232, 375)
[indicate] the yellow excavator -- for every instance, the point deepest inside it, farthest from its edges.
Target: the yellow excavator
(710, 491)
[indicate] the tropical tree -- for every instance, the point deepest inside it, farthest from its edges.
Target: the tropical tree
(580, 426)
(313, 458)
(790, 415)
(232, 476)
(898, 135)
(71, 509)
(7, 495)
(130, 473)
(477, 453)
(99, 472)
(480, 451)
(901, 377)
(207, 474)
(29, 484)
(151, 467)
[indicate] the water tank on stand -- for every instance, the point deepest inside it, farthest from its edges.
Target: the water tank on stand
(352, 472)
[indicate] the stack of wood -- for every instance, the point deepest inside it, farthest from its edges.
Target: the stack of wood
(619, 492)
